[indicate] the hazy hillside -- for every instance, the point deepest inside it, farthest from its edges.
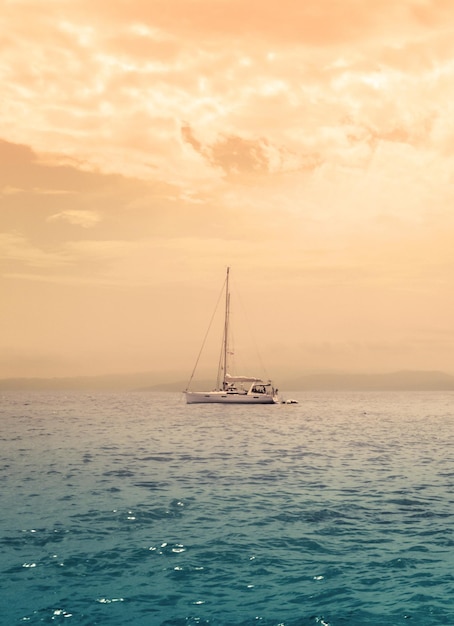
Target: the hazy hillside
(146, 381)
(402, 380)
(119, 382)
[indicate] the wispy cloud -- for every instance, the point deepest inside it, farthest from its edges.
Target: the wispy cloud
(85, 219)
(16, 249)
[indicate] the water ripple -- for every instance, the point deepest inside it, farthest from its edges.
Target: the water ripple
(123, 509)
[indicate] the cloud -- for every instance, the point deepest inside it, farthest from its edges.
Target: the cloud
(16, 249)
(236, 155)
(85, 219)
(310, 144)
(263, 87)
(9, 191)
(317, 22)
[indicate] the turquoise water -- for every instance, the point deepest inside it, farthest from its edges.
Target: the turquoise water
(135, 508)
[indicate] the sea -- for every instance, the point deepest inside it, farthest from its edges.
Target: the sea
(135, 508)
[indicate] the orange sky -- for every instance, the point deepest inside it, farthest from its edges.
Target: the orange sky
(147, 144)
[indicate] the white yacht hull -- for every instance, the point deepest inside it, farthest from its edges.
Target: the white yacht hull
(220, 397)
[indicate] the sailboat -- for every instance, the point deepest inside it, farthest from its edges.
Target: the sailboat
(232, 389)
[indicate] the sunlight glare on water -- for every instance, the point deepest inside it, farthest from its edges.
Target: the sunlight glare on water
(136, 508)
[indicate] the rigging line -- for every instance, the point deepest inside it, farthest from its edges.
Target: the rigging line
(220, 366)
(254, 341)
(206, 335)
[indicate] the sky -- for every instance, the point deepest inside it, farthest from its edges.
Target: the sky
(146, 145)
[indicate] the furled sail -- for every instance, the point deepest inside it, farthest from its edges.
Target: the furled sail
(242, 379)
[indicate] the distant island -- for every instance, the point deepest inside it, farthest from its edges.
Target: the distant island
(405, 380)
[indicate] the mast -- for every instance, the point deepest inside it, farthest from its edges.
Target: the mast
(226, 326)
